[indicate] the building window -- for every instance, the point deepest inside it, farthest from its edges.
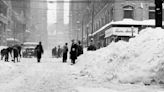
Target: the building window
(151, 12)
(128, 12)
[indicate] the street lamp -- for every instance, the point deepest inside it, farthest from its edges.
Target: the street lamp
(87, 34)
(132, 28)
(78, 30)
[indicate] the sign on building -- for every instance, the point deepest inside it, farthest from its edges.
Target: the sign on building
(122, 31)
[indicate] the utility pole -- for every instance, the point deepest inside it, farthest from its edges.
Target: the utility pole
(158, 13)
(14, 31)
(82, 29)
(92, 18)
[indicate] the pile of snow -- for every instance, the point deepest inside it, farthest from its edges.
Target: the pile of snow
(139, 60)
(3, 47)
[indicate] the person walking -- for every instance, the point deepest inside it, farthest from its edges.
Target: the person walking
(73, 52)
(39, 51)
(65, 51)
(52, 52)
(59, 52)
(55, 51)
(80, 48)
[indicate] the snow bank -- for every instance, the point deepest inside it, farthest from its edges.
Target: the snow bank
(3, 47)
(139, 60)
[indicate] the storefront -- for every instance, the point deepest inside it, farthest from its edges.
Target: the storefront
(120, 33)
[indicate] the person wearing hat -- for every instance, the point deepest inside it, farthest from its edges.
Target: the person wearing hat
(73, 52)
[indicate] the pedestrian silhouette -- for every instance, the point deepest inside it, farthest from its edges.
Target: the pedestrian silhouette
(39, 51)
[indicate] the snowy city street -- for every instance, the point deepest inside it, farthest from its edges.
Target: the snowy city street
(115, 71)
(81, 45)
(53, 76)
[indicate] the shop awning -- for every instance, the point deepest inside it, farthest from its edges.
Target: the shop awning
(122, 31)
(130, 22)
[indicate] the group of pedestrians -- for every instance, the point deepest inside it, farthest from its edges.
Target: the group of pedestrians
(14, 51)
(75, 51)
(57, 52)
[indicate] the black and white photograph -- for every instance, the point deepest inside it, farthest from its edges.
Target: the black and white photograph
(81, 45)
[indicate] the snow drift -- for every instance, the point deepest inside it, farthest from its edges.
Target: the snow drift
(141, 60)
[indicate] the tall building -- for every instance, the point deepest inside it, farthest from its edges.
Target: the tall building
(60, 12)
(61, 35)
(38, 22)
(19, 18)
(4, 20)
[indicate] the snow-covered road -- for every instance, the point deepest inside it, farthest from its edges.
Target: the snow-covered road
(28, 76)
(51, 75)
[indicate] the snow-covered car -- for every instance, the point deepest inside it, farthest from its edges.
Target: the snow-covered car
(28, 50)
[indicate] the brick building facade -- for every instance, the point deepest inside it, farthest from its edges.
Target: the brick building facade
(98, 15)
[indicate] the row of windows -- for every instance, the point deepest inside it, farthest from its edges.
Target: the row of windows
(128, 13)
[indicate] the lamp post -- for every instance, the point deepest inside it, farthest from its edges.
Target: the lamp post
(78, 23)
(14, 32)
(92, 17)
(91, 10)
(87, 35)
(132, 31)
(82, 29)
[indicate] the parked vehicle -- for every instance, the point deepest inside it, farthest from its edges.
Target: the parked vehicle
(28, 50)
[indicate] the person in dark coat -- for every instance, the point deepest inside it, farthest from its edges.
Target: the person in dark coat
(59, 52)
(15, 54)
(91, 47)
(19, 48)
(55, 52)
(80, 48)
(65, 51)
(5, 53)
(73, 52)
(39, 51)
(52, 52)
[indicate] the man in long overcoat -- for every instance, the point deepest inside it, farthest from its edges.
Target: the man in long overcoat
(73, 52)
(65, 51)
(80, 48)
(39, 51)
